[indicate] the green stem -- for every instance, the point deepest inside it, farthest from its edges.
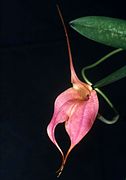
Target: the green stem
(100, 117)
(106, 99)
(103, 119)
(97, 63)
(106, 121)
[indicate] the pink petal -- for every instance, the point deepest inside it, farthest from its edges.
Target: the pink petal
(81, 120)
(69, 94)
(63, 106)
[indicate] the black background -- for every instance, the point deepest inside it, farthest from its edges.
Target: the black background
(34, 70)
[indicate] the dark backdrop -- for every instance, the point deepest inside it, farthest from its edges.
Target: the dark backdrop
(34, 69)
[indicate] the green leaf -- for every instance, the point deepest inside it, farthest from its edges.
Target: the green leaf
(105, 30)
(115, 76)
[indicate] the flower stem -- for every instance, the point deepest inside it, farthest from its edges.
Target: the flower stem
(97, 63)
(103, 119)
(100, 117)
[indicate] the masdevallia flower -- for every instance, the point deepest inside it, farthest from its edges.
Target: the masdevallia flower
(77, 107)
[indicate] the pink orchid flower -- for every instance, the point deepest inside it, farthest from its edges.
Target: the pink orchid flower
(76, 106)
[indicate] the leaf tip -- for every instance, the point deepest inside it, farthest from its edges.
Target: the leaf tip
(71, 23)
